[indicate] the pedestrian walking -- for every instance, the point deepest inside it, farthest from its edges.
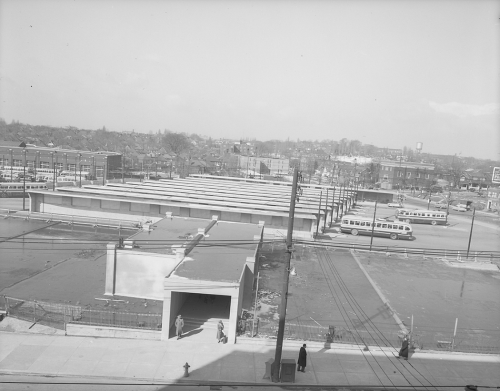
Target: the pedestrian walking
(403, 352)
(179, 324)
(220, 333)
(302, 362)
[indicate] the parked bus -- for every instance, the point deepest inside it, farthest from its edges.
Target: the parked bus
(356, 225)
(15, 189)
(422, 216)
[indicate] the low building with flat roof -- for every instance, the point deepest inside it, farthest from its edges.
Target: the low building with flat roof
(198, 268)
(199, 198)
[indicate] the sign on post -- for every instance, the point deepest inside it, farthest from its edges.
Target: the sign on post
(496, 175)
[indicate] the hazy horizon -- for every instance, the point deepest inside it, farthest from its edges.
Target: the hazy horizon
(385, 73)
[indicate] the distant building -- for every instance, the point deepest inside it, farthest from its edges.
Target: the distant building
(263, 165)
(33, 157)
(398, 174)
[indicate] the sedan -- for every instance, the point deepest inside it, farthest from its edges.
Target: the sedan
(459, 208)
(394, 205)
(441, 206)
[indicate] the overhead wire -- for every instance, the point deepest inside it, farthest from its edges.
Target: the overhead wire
(368, 320)
(340, 307)
(335, 275)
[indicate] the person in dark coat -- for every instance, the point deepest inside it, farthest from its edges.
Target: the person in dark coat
(403, 352)
(302, 362)
(179, 324)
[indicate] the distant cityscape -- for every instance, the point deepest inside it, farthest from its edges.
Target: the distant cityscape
(167, 153)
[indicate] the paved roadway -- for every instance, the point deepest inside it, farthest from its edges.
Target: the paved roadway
(454, 236)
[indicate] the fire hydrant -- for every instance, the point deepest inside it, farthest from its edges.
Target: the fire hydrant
(186, 370)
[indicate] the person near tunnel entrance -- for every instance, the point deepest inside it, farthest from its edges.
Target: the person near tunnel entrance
(179, 324)
(220, 333)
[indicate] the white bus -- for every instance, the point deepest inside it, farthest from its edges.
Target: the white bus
(356, 225)
(422, 216)
(15, 189)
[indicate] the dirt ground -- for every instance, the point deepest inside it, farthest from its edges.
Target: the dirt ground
(330, 289)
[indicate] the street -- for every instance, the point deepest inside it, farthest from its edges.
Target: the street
(454, 236)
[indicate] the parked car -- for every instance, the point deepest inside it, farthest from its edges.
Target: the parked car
(394, 205)
(459, 208)
(440, 205)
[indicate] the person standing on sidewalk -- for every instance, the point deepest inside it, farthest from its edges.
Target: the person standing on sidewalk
(403, 352)
(220, 333)
(302, 362)
(179, 324)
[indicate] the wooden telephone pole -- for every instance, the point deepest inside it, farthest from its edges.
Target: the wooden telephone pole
(284, 292)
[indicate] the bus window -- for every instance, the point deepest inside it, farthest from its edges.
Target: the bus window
(407, 228)
(377, 225)
(356, 223)
(401, 227)
(384, 225)
(363, 223)
(345, 221)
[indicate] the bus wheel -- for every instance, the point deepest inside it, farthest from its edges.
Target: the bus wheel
(394, 236)
(354, 232)
(433, 222)
(408, 221)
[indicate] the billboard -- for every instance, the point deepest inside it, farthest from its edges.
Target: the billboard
(496, 175)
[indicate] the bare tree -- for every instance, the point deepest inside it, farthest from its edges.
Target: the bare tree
(176, 143)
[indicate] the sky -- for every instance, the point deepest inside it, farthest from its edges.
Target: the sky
(388, 73)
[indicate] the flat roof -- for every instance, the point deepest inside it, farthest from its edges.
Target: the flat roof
(168, 232)
(222, 255)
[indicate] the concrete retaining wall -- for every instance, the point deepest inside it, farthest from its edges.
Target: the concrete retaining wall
(110, 332)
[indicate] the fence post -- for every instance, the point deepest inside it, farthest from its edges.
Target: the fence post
(454, 335)
(34, 311)
(459, 257)
(475, 256)
(406, 254)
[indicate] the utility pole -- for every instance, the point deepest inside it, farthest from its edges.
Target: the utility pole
(470, 235)
(319, 212)
(24, 181)
(448, 205)
(326, 211)
(373, 225)
(284, 292)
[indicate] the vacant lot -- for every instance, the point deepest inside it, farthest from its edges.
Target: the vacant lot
(330, 289)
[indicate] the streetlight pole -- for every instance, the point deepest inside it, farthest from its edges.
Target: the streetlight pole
(284, 293)
(470, 235)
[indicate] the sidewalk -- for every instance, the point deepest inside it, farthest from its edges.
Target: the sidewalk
(162, 362)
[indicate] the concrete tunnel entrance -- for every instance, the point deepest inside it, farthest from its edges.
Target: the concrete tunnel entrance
(201, 313)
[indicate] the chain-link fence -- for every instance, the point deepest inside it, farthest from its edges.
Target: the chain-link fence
(119, 319)
(49, 314)
(57, 315)
(465, 340)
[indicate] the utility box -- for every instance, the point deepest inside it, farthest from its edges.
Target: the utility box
(288, 368)
(269, 369)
